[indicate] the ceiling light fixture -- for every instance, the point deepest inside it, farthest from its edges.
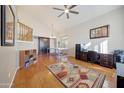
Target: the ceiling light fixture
(66, 11)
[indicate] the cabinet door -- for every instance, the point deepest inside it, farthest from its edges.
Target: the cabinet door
(77, 51)
(106, 60)
(84, 56)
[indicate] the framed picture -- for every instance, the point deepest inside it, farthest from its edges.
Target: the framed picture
(7, 26)
(0, 24)
(99, 32)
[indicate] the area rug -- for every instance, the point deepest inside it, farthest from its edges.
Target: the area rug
(76, 76)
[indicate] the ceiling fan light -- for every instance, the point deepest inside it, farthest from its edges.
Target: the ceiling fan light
(66, 11)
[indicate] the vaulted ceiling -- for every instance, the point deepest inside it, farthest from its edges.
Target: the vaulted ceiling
(46, 14)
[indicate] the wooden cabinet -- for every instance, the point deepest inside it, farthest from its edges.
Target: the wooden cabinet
(106, 60)
(77, 51)
(27, 57)
(120, 82)
(83, 56)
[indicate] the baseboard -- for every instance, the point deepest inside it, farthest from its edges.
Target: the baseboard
(13, 77)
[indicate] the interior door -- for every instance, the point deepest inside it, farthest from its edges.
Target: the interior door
(43, 45)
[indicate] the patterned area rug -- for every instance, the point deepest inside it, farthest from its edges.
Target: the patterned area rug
(76, 76)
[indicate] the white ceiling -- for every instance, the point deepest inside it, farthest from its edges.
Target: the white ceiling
(45, 13)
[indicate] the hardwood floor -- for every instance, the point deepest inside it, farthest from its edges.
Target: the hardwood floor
(38, 76)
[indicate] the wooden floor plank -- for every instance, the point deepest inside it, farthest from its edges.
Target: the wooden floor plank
(38, 76)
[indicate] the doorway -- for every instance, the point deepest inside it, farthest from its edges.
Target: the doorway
(43, 44)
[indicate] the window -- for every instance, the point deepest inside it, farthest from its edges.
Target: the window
(96, 48)
(104, 47)
(63, 42)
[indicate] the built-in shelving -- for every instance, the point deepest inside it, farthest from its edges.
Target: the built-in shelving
(27, 57)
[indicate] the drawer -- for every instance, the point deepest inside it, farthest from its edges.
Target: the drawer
(106, 59)
(105, 63)
(105, 56)
(83, 55)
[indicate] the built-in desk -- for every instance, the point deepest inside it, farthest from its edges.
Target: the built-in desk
(83, 56)
(106, 60)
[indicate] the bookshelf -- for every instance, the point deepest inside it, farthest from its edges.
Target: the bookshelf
(27, 58)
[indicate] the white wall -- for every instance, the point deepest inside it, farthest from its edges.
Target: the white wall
(8, 63)
(9, 56)
(52, 44)
(39, 29)
(80, 33)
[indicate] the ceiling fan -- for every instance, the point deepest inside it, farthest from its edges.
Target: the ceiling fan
(67, 10)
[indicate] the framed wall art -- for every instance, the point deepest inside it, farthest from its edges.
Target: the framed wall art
(99, 32)
(7, 26)
(0, 23)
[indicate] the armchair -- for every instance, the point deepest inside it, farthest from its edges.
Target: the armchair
(93, 56)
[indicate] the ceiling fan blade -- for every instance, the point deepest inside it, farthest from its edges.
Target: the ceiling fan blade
(72, 6)
(65, 6)
(74, 12)
(67, 15)
(58, 9)
(61, 14)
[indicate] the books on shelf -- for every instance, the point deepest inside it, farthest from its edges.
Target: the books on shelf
(28, 57)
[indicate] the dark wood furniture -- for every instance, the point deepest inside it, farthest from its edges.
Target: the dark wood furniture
(106, 60)
(84, 56)
(120, 82)
(77, 51)
(93, 56)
